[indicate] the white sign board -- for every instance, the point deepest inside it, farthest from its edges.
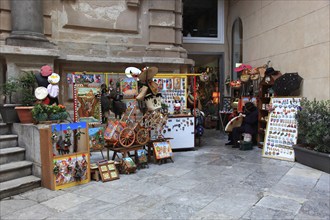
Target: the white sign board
(282, 129)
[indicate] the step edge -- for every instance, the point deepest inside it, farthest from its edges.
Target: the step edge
(17, 150)
(4, 170)
(14, 182)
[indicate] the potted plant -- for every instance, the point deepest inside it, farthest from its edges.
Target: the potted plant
(313, 148)
(8, 112)
(41, 112)
(27, 83)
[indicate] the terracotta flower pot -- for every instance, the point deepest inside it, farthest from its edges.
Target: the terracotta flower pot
(314, 159)
(25, 114)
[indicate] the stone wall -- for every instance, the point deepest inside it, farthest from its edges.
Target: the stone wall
(29, 138)
(293, 35)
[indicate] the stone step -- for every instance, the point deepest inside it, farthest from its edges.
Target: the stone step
(11, 154)
(5, 128)
(15, 170)
(8, 140)
(19, 185)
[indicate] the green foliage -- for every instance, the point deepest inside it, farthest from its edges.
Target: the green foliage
(27, 83)
(9, 88)
(41, 112)
(314, 124)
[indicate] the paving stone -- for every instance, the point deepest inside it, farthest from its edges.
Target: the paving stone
(262, 213)
(119, 212)
(117, 197)
(316, 208)
(170, 211)
(90, 208)
(8, 206)
(161, 192)
(205, 214)
(42, 194)
(233, 204)
(279, 203)
(33, 212)
(195, 199)
(289, 191)
(66, 201)
(182, 184)
(306, 172)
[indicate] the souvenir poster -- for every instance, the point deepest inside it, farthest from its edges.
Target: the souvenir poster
(70, 169)
(85, 78)
(162, 150)
(142, 156)
(96, 138)
(281, 132)
(168, 83)
(177, 83)
(128, 86)
(87, 104)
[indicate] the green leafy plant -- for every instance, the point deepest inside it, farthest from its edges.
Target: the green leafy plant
(27, 83)
(41, 112)
(313, 125)
(8, 89)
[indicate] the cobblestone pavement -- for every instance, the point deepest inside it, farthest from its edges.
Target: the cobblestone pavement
(213, 182)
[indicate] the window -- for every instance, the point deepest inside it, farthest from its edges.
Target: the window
(237, 37)
(203, 21)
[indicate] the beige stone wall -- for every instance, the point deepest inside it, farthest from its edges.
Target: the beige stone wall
(293, 35)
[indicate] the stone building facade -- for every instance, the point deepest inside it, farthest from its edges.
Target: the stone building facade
(108, 36)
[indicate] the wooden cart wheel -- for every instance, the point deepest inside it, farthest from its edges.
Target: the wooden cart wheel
(126, 137)
(142, 136)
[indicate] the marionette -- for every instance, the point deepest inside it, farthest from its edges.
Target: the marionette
(177, 105)
(53, 88)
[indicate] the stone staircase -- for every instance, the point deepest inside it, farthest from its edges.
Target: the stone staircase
(15, 172)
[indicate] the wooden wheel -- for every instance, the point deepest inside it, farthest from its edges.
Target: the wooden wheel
(142, 136)
(126, 137)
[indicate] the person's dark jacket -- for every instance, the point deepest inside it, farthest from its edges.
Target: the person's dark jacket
(250, 122)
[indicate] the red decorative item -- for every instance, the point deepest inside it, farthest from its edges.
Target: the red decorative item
(46, 71)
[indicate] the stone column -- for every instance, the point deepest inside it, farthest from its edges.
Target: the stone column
(27, 24)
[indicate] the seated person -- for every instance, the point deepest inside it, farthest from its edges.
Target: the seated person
(249, 125)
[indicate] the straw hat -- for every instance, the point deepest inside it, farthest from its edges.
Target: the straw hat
(153, 86)
(148, 73)
(41, 93)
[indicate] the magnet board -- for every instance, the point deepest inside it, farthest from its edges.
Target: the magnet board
(282, 129)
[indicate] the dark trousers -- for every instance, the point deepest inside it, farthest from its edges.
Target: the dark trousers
(236, 134)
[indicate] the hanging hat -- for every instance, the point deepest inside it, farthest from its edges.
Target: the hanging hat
(41, 93)
(270, 71)
(177, 98)
(132, 72)
(54, 78)
(242, 67)
(46, 71)
(148, 73)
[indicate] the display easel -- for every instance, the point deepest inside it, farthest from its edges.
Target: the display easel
(162, 151)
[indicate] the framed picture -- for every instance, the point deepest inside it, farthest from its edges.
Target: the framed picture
(107, 170)
(226, 104)
(177, 83)
(128, 86)
(142, 156)
(96, 138)
(87, 104)
(162, 150)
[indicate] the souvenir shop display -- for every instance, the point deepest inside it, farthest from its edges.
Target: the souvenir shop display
(142, 159)
(87, 103)
(65, 155)
(281, 132)
(162, 150)
(127, 166)
(173, 90)
(181, 130)
(107, 170)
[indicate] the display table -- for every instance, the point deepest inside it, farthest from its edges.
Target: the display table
(122, 150)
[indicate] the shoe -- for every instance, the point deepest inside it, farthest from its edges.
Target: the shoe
(230, 143)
